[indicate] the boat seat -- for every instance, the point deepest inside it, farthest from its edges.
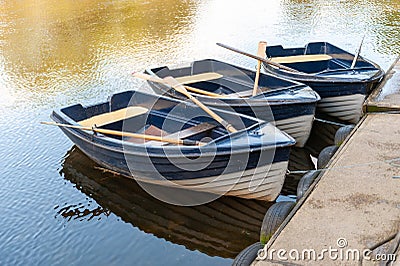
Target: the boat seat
(198, 77)
(112, 117)
(186, 133)
(246, 93)
(148, 130)
(301, 58)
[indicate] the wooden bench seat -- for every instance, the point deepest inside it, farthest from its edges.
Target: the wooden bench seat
(112, 117)
(246, 93)
(301, 58)
(198, 77)
(186, 133)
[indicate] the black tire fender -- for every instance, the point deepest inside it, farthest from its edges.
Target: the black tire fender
(247, 255)
(325, 156)
(273, 218)
(305, 183)
(342, 133)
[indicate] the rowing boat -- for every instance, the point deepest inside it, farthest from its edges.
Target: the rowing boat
(343, 80)
(180, 145)
(288, 104)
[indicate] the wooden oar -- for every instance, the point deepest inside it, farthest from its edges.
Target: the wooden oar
(199, 91)
(259, 58)
(129, 134)
(353, 64)
(261, 53)
(180, 88)
(156, 79)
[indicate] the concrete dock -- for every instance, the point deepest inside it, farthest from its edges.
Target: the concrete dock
(354, 205)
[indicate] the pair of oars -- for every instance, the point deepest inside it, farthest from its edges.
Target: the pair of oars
(178, 87)
(129, 134)
(261, 57)
(170, 81)
(184, 90)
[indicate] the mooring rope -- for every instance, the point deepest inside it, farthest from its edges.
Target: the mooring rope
(330, 122)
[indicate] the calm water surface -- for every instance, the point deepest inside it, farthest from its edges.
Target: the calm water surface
(56, 206)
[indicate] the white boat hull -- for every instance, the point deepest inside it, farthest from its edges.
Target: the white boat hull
(298, 127)
(261, 183)
(346, 108)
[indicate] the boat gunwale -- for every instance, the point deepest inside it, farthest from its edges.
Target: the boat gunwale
(314, 77)
(158, 155)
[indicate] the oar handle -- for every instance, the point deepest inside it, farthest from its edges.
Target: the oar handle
(147, 77)
(261, 53)
(353, 64)
(159, 80)
(258, 58)
(128, 134)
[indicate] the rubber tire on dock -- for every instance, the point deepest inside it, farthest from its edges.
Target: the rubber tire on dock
(305, 183)
(325, 156)
(247, 255)
(342, 133)
(273, 218)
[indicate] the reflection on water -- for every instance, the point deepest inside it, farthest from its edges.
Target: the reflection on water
(59, 52)
(220, 228)
(378, 20)
(54, 46)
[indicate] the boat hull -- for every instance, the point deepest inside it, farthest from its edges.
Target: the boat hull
(299, 127)
(263, 181)
(346, 108)
(339, 99)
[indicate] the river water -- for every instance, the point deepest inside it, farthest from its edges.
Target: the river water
(56, 206)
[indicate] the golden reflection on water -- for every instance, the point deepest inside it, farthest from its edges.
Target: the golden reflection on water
(53, 45)
(89, 47)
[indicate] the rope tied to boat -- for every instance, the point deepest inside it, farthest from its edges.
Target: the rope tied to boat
(330, 122)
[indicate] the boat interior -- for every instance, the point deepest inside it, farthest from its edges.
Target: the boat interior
(315, 58)
(151, 116)
(218, 79)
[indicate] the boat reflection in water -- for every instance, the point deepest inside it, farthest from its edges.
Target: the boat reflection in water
(220, 228)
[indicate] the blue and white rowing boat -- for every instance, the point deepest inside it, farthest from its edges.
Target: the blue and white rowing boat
(288, 104)
(183, 146)
(342, 84)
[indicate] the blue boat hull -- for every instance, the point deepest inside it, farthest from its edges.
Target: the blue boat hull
(230, 168)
